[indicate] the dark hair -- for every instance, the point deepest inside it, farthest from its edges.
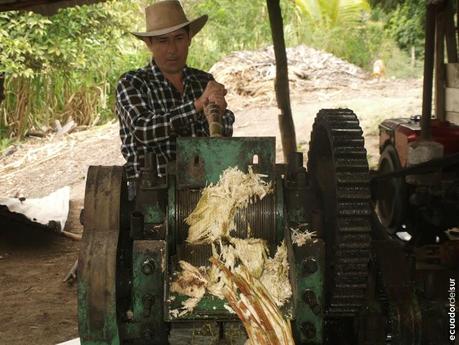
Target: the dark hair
(186, 28)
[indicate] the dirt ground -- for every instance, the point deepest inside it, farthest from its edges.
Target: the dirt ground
(36, 306)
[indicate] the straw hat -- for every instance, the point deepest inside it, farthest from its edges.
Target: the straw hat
(167, 16)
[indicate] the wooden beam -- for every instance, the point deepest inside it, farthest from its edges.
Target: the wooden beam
(452, 117)
(450, 32)
(429, 53)
(452, 99)
(440, 30)
(452, 75)
(286, 125)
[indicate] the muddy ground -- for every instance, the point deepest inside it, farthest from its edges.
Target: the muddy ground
(36, 306)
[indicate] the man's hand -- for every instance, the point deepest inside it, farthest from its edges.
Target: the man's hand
(219, 100)
(214, 92)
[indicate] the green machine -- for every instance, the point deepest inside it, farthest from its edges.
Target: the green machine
(131, 249)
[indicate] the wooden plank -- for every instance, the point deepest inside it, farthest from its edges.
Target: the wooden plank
(450, 33)
(429, 61)
(452, 117)
(452, 75)
(440, 29)
(452, 99)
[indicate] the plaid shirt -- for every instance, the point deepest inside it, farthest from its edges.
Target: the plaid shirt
(152, 113)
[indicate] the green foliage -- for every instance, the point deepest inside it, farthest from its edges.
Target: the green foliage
(67, 65)
(343, 28)
(386, 5)
(5, 143)
(350, 31)
(31, 44)
(331, 14)
(64, 66)
(233, 25)
(406, 25)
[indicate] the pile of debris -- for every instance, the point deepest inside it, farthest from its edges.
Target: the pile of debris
(252, 73)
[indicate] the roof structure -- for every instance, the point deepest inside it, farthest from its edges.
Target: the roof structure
(45, 7)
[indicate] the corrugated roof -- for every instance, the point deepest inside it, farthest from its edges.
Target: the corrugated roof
(45, 7)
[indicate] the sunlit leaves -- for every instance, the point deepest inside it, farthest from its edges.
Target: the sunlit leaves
(329, 14)
(63, 66)
(77, 37)
(406, 24)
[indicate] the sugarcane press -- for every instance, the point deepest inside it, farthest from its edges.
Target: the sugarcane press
(131, 249)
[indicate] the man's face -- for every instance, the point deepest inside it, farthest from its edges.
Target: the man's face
(171, 50)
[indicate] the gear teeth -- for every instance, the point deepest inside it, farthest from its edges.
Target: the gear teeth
(352, 179)
(345, 140)
(346, 132)
(360, 208)
(350, 152)
(353, 193)
(350, 164)
(347, 254)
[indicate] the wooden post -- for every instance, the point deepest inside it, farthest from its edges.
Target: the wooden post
(450, 31)
(429, 50)
(440, 29)
(286, 126)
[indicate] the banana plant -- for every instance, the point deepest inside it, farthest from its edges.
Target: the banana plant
(329, 14)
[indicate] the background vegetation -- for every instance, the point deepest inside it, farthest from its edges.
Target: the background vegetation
(66, 66)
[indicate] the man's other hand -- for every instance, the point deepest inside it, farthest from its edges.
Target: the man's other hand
(214, 90)
(219, 100)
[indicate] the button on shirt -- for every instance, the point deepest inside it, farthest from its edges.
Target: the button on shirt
(152, 113)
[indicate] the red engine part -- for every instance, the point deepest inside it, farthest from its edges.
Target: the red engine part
(401, 132)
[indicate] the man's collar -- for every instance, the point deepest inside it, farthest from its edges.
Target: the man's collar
(187, 75)
(155, 70)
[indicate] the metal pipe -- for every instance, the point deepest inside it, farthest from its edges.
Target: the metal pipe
(428, 73)
(421, 168)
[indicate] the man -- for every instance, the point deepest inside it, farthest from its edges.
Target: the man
(166, 99)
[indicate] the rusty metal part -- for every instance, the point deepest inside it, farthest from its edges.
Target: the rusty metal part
(340, 179)
(202, 160)
(390, 194)
(199, 333)
(98, 279)
(446, 254)
(436, 164)
(396, 293)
